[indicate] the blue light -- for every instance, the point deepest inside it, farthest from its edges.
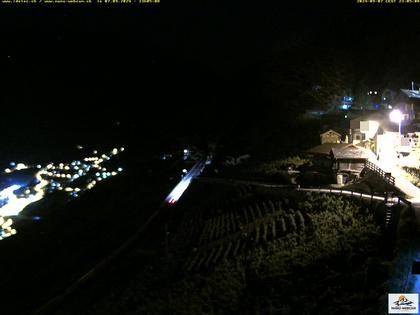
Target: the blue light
(12, 164)
(347, 103)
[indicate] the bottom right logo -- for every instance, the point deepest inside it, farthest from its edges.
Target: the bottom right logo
(403, 303)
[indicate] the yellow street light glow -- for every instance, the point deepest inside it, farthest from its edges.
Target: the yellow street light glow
(7, 223)
(21, 166)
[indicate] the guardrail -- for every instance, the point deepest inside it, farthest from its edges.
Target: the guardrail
(385, 198)
(386, 176)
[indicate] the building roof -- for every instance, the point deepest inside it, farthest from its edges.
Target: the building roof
(352, 152)
(411, 93)
(342, 151)
(325, 148)
(378, 116)
(331, 131)
(382, 117)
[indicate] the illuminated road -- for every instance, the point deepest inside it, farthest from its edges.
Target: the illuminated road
(179, 189)
(72, 178)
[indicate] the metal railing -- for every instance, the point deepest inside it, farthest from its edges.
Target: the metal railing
(386, 176)
(386, 198)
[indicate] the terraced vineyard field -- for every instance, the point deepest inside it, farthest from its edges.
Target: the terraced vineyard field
(241, 249)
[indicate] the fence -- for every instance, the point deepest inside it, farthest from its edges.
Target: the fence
(386, 176)
(386, 198)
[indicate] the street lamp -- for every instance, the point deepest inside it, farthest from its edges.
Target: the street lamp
(396, 117)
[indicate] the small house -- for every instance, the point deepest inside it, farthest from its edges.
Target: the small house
(330, 136)
(340, 156)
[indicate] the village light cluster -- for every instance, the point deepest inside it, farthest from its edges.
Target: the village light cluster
(72, 178)
(6, 229)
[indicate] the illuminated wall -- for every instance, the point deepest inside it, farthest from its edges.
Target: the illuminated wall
(369, 128)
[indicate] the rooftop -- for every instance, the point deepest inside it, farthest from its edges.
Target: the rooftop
(342, 151)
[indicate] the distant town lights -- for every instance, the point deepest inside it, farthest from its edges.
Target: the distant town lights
(14, 199)
(21, 166)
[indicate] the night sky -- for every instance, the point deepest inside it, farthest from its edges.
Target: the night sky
(158, 71)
